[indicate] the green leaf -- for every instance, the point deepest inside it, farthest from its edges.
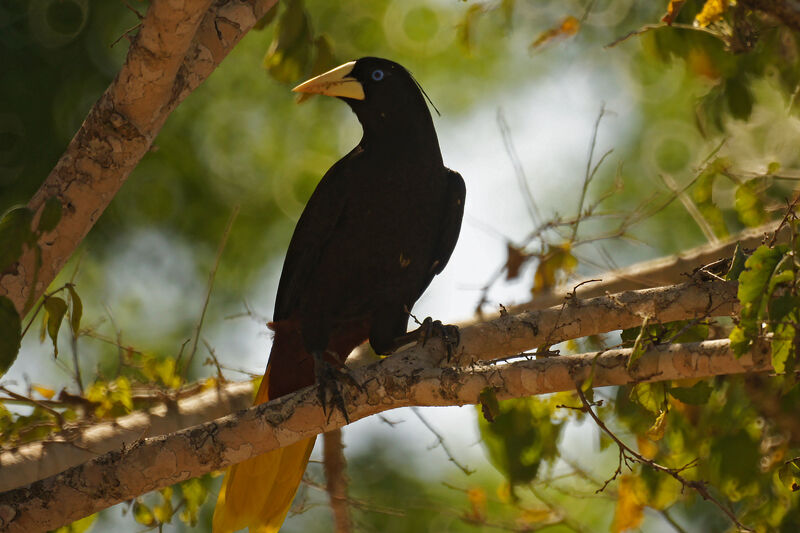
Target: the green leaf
(56, 308)
(698, 394)
(51, 215)
(194, 495)
(77, 310)
(764, 271)
(737, 264)
(753, 282)
(651, 396)
(490, 407)
(783, 347)
(143, 514)
(268, 17)
(781, 306)
(680, 331)
(15, 232)
(640, 345)
(290, 51)
(739, 98)
(702, 195)
(773, 167)
(789, 475)
(740, 341)
(522, 436)
(10, 334)
(748, 204)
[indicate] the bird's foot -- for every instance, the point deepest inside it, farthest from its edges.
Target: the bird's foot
(329, 379)
(450, 335)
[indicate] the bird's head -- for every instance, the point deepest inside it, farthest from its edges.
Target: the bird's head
(380, 92)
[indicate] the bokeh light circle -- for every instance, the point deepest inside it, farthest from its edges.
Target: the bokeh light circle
(55, 23)
(413, 26)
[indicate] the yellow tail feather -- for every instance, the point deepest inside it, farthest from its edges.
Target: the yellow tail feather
(257, 493)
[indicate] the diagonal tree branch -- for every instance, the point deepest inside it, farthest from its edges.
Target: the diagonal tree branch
(503, 336)
(77, 444)
(162, 461)
(178, 46)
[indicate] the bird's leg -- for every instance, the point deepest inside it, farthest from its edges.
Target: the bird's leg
(328, 379)
(450, 335)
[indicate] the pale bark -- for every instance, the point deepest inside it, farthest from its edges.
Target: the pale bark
(667, 270)
(158, 462)
(79, 443)
(510, 334)
(504, 336)
(179, 44)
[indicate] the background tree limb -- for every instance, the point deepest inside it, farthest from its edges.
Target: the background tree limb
(158, 462)
(667, 270)
(77, 444)
(179, 44)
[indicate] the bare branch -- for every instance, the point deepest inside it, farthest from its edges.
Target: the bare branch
(77, 444)
(510, 334)
(158, 462)
(658, 272)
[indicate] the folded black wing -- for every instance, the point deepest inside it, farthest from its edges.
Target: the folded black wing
(451, 224)
(312, 233)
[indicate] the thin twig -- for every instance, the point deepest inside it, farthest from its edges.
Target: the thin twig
(441, 442)
(628, 456)
(589, 173)
(210, 286)
(35, 403)
(519, 171)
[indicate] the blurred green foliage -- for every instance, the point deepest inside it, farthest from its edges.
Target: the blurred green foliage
(712, 109)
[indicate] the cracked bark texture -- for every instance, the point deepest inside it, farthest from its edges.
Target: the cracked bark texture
(179, 44)
(77, 444)
(158, 462)
(504, 336)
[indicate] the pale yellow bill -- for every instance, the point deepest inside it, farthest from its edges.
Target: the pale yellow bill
(334, 83)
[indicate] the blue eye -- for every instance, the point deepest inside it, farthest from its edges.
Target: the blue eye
(377, 75)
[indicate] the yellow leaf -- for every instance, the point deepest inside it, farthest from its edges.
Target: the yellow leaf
(44, 391)
(712, 12)
(647, 448)
(535, 516)
(569, 26)
(478, 505)
(504, 493)
(656, 431)
(630, 509)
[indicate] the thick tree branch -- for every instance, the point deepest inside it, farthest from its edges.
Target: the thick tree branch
(510, 334)
(158, 462)
(179, 45)
(77, 444)
(667, 270)
(504, 336)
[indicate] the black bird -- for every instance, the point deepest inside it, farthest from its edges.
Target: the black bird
(382, 222)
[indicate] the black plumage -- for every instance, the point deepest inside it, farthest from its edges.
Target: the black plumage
(382, 222)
